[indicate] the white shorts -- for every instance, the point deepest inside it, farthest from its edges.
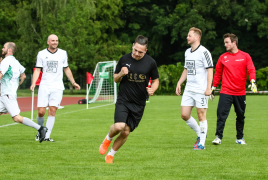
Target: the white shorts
(49, 97)
(9, 103)
(194, 99)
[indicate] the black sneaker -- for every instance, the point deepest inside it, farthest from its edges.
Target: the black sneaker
(42, 133)
(48, 139)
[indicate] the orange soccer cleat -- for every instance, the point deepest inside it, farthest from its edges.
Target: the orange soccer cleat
(104, 146)
(109, 159)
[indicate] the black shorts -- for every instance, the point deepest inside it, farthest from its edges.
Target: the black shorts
(129, 113)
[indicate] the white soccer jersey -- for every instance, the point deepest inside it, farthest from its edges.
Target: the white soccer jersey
(52, 64)
(11, 70)
(197, 63)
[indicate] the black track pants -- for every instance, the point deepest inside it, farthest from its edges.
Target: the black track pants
(224, 106)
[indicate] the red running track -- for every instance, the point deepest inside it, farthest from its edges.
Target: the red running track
(25, 103)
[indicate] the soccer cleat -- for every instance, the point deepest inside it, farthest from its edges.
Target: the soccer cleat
(197, 141)
(109, 159)
(240, 141)
(48, 139)
(199, 147)
(42, 133)
(37, 137)
(217, 141)
(104, 146)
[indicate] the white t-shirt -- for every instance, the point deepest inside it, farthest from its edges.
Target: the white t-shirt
(11, 70)
(197, 63)
(52, 64)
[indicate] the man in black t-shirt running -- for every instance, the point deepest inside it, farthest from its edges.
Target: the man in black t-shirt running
(133, 71)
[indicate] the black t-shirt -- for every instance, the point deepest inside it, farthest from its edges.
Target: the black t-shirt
(132, 87)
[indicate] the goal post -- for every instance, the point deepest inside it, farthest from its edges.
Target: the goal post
(102, 88)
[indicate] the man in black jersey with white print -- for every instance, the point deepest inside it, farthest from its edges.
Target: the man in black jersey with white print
(133, 71)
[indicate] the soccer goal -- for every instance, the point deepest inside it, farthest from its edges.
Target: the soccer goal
(102, 88)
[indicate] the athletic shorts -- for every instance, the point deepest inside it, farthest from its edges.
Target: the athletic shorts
(194, 100)
(49, 97)
(8, 103)
(129, 113)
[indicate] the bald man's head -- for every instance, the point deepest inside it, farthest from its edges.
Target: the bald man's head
(51, 36)
(9, 49)
(52, 42)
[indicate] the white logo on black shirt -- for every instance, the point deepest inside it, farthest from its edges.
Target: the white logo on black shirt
(128, 65)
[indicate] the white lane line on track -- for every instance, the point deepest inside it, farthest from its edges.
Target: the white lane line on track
(62, 114)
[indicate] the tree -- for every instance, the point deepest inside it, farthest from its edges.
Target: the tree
(8, 27)
(84, 27)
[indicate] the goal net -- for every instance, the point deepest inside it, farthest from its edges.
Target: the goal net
(102, 88)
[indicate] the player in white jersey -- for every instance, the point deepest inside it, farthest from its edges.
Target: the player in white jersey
(199, 74)
(12, 75)
(53, 61)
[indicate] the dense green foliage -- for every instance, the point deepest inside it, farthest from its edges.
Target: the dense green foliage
(93, 31)
(160, 148)
(171, 73)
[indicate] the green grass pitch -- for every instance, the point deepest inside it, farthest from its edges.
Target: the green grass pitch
(160, 148)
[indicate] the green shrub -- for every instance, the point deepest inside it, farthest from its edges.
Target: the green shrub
(168, 78)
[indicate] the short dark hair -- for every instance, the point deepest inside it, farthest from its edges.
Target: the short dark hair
(142, 40)
(233, 37)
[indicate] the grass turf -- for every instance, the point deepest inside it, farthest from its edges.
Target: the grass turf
(160, 148)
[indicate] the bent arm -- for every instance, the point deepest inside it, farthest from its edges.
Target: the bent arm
(117, 77)
(155, 84)
(22, 78)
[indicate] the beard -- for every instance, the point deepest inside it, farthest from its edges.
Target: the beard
(3, 55)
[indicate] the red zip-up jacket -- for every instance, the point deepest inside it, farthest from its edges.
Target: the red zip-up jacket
(233, 68)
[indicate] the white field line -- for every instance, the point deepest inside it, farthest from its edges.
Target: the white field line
(63, 114)
(9, 125)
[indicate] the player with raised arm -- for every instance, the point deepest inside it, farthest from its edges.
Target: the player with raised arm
(133, 71)
(12, 75)
(232, 68)
(199, 74)
(53, 61)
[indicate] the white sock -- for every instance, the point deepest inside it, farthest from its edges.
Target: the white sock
(193, 124)
(28, 122)
(109, 138)
(204, 129)
(40, 120)
(111, 152)
(49, 125)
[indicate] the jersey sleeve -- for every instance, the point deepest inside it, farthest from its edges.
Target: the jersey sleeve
(4, 66)
(218, 73)
(39, 62)
(185, 67)
(207, 59)
(251, 68)
(154, 72)
(118, 66)
(65, 61)
(21, 68)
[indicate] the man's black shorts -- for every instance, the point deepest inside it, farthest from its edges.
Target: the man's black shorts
(129, 113)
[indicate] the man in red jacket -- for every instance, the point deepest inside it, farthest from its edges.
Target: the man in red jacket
(232, 67)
